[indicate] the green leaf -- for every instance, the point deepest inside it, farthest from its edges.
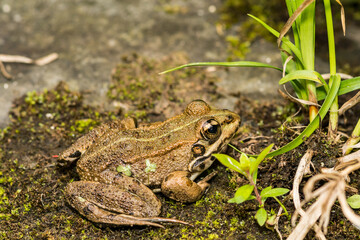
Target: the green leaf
(315, 123)
(300, 90)
(286, 41)
(224, 64)
(265, 190)
(244, 162)
(301, 74)
(260, 158)
(354, 201)
(307, 34)
(266, 193)
(229, 162)
(242, 194)
(261, 216)
(251, 197)
(346, 86)
(126, 170)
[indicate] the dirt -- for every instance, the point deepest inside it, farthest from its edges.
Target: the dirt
(45, 123)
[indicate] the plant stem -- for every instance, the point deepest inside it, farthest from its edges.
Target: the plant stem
(307, 43)
(333, 115)
(355, 138)
(258, 198)
(282, 206)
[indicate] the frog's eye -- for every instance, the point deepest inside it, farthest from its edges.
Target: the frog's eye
(211, 130)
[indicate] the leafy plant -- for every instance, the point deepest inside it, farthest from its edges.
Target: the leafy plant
(248, 167)
(319, 95)
(299, 70)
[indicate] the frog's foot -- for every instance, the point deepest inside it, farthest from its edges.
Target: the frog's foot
(178, 185)
(104, 203)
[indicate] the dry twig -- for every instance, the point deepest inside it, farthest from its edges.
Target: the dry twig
(303, 168)
(317, 216)
(5, 58)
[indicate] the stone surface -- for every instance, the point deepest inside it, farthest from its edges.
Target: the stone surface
(91, 36)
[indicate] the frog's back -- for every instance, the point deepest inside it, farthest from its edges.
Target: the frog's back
(133, 146)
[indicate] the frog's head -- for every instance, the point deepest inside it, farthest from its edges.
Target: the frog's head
(215, 128)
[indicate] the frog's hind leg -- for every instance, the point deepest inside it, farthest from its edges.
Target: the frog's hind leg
(105, 203)
(75, 151)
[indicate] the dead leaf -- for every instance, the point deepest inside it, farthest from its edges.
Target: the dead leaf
(349, 104)
(292, 19)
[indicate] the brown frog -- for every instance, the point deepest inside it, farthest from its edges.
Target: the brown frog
(121, 166)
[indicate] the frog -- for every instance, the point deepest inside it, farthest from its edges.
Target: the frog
(122, 166)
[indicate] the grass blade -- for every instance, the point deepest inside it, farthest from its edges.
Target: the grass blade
(346, 86)
(301, 74)
(286, 41)
(292, 19)
(299, 89)
(315, 123)
(224, 64)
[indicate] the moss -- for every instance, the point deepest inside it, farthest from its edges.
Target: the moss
(83, 125)
(233, 12)
(137, 84)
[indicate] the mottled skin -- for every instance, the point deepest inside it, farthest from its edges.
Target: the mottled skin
(180, 148)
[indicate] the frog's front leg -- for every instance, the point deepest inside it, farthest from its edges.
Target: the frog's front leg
(75, 151)
(178, 186)
(116, 199)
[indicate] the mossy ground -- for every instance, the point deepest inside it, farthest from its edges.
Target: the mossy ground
(32, 204)
(137, 86)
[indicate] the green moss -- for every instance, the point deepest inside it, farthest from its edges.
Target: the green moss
(83, 125)
(235, 11)
(137, 84)
(27, 207)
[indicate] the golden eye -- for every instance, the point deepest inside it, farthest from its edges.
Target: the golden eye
(211, 130)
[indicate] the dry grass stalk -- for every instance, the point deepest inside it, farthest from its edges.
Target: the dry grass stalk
(301, 102)
(350, 103)
(5, 58)
(317, 216)
(303, 168)
(350, 157)
(276, 227)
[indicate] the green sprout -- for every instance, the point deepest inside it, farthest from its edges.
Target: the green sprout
(126, 170)
(150, 167)
(248, 167)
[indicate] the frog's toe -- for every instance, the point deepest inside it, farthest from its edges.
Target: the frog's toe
(99, 215)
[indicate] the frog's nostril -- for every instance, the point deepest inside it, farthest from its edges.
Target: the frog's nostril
(229, 119)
